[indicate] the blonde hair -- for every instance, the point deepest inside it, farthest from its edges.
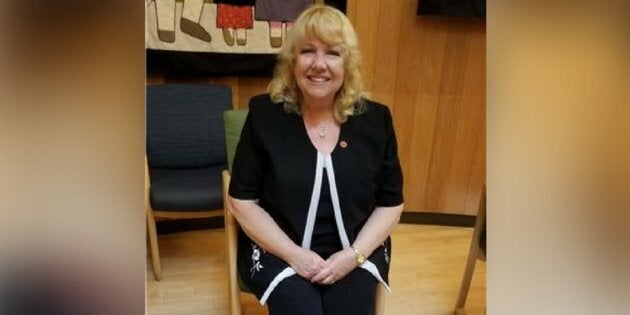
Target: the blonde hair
(333, 28)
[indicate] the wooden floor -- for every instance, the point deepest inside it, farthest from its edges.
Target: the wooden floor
(427, 267)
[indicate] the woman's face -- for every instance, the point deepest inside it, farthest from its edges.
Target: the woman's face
(319, 70)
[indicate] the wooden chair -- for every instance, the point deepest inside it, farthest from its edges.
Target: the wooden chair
(477, 251)
(185, 155)
(233, 121)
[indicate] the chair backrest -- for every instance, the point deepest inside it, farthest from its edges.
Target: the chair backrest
(184, 125)
(234, 121)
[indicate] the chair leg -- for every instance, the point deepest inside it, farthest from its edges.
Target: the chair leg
(155, 252)
(468, 274)
(233, 287)
(380, 300)
(231, 245)
(473, 254)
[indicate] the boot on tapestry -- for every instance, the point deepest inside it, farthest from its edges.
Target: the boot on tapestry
(191, 19)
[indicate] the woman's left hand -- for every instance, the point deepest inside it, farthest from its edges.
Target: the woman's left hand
(336, 267)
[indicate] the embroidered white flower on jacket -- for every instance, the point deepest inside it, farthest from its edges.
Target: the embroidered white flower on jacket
(256, 265)
(386, 253)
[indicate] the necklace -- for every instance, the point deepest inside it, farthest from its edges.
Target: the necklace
(320, 130)
(323, 130)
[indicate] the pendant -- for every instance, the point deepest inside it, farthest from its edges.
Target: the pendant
(322, 132)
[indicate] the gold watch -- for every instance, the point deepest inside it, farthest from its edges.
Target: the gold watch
(358, 256)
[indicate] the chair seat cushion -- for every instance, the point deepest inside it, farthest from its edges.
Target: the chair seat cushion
(197, 189)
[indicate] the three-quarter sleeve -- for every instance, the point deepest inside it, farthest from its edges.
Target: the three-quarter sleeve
(390, 186)
(248, 163)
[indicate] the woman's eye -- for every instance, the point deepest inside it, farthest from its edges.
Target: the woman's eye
(306, 51)
(333, 53)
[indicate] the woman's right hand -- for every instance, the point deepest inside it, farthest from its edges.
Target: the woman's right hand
(306, 263)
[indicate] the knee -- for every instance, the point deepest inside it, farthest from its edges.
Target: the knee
(295, 295)
(293, 286)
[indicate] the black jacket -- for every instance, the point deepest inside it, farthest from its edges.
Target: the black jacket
(275, 162)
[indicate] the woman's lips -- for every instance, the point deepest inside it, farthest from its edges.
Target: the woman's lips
(317, 79)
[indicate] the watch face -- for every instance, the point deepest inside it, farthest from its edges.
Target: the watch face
(360, 259)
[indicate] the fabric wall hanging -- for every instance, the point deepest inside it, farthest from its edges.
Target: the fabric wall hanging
(223, 37)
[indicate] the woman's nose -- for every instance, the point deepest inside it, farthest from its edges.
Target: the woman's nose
(319, 61)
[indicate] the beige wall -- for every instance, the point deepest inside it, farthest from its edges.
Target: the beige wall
(431, 73)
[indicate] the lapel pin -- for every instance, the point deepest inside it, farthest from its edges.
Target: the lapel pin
(343, 144)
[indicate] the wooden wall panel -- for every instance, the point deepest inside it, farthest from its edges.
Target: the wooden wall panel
(431, 72)
(408, 74)
(386, 50)
(249, 87)
(367, 25)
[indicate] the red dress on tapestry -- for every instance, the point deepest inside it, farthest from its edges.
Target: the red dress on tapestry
(234, 16)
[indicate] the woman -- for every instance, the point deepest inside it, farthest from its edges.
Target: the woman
(316, 182)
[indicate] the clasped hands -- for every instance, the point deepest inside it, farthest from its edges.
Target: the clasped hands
(309, 265)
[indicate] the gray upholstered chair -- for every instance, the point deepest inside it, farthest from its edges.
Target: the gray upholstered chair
(185, 154)
(234, 121)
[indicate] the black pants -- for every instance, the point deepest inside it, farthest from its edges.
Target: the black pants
(355, 294)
